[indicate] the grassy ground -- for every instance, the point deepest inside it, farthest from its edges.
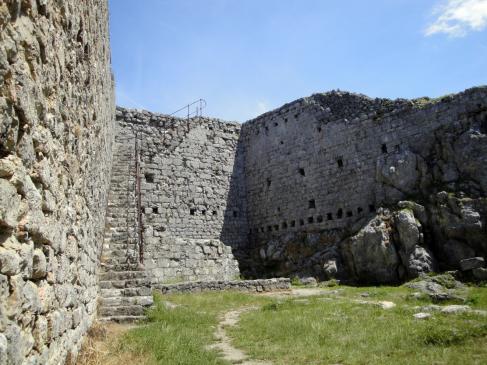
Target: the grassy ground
(338, 330)
(330, 328)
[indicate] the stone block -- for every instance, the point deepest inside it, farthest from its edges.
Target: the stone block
(472, 263)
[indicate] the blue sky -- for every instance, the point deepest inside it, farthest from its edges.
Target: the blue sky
(246, 57)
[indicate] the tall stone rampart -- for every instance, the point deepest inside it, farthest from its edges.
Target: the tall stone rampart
(192, 196)
(56, 131)
(317, 169)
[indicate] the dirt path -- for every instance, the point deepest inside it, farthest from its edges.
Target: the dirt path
(224, 343)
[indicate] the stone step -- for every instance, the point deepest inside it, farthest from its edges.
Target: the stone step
(122, 319)
(122, 275)
(122, 310)
(126, 301)
(122, 284)
(126, 292)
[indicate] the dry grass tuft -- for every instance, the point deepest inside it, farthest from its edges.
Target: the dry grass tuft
(102, 346)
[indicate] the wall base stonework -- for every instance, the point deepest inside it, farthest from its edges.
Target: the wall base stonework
(257, 286)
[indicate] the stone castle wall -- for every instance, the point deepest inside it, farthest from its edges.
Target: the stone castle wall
(318, 168)
(312, 164)
(193, 202)
(56, 131)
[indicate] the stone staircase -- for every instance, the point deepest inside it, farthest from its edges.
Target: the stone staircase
(124, 288)
(124, 295)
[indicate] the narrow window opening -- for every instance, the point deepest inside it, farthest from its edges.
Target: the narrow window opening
(340, 213)
(149, 178)
(301, 222)
(278, 209)
(276, 227)
(340, 163)
(293, 223)
(319, 129)
(359, 210)
(371, 208)
(203, 212)
(262, 229)
(214, 212)
(235, 214)
(329, 216)
(285, 120)
(301, 172)
(319, 219)
(296, 116)
(311, 220)
(349, 213)
(155, 210)
(398, 148)
(384, 148)
(284, 225)
(275, 124)
(192, 211)
(269, 228)
(269, 181)
(311, 204)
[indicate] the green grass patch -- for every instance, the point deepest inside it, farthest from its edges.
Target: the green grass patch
(345, 332)
(180, 335)
(329, 328)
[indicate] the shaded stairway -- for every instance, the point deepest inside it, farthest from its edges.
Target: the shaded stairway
(125, 290)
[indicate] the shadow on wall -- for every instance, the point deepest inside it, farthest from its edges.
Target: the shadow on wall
(235, 231)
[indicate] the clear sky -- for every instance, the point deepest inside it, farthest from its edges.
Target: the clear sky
(246, 57)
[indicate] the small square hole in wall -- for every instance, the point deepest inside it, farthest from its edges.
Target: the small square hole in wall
(301, 171)
(284, 225)
(340, 213)
(329, 216)
(155, 210)
(296, 116)
(278, 209)
(276, 227)
(359, 210)
(311, 220)
(235, 214)
(371, 208)
(262, 229)
(340, 163)
(269, 228)
(149, 178)
(384, 148)
(275, 124)
(301, 222)
(311, 204)
(319, 219)
(349, 213)
(282, 142)
(293, 223)
(192, 211)
(203, 212)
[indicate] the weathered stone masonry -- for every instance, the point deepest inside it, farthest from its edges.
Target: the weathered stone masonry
(193, 200)
(56, 131)
(305, 177)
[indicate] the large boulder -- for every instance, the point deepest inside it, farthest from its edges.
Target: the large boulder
(371, 254)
